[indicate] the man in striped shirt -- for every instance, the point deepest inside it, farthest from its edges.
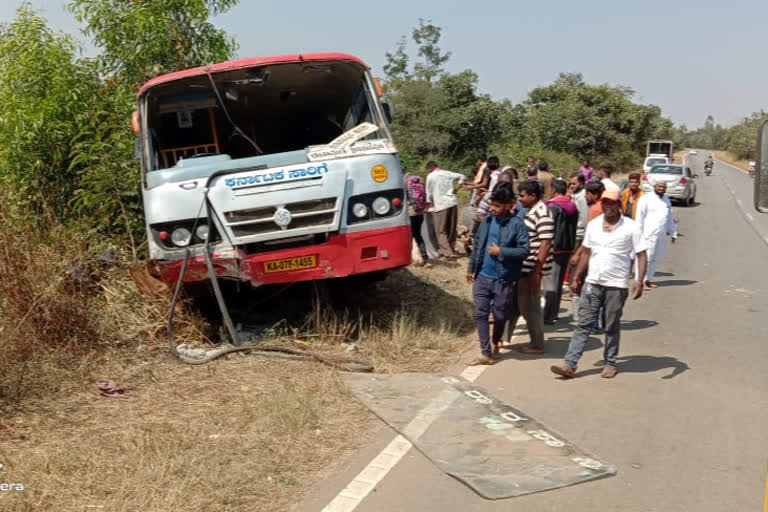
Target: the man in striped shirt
(541, 231)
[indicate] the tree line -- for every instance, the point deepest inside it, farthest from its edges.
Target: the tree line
(739, 139)
(442, 115)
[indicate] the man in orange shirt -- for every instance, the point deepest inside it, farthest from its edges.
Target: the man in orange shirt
(630, 196)
(594, 191)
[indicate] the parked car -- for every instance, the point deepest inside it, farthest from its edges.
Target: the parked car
(654, 160)
(681, 183)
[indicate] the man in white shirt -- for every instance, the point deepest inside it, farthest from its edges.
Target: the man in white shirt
(441, 197)
(611, 243)
(604, 173)
(654, 216)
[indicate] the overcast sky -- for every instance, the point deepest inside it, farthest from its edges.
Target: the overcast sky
(690, 57)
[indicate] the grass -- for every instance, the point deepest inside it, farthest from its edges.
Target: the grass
(242, 433)
(729, 158)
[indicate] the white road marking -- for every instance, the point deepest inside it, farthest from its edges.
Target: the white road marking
(367, 480)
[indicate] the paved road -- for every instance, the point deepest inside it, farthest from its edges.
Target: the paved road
(685, 421)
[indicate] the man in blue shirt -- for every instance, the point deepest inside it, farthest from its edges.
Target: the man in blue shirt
(494, 268)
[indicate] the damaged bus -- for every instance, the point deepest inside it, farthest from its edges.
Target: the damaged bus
(270, 170)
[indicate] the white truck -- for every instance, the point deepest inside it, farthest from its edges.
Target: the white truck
(657, 152)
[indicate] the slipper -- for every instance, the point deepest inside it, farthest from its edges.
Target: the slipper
(497, 347)
(482, 361)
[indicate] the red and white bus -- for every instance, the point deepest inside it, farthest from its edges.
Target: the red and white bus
(281, 168)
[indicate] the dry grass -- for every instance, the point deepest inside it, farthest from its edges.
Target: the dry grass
(242, 433)
(678, 156)
(45, 325)
(728, 158)
(416, 320)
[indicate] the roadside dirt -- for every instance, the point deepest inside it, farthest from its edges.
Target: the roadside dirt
(728, 158)
(242, 433)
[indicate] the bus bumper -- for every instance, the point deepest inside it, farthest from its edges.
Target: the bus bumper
(342, 255)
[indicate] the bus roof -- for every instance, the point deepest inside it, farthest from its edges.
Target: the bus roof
(250, 62)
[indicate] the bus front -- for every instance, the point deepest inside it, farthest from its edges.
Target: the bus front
(284, 168)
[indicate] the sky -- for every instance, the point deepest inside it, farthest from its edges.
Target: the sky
(691, 57)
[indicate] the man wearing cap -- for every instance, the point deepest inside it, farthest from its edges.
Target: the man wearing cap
(611, 242)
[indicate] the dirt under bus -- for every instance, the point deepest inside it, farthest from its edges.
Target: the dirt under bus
(294, 159)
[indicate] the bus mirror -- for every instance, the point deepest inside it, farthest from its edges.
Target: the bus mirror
(761, 174)
(387, 111)
(135, 121)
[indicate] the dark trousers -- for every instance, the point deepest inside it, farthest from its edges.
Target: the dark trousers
(491, 295)
(446, 222)
(416, 222)
(553, 286)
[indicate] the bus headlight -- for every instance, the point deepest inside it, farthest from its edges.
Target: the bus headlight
(181, 237)
(360, 210)
(202, 232)
(381, 205)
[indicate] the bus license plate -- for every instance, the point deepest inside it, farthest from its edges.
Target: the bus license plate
(289, 264)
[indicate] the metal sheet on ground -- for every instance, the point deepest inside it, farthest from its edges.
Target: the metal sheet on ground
(495, 449)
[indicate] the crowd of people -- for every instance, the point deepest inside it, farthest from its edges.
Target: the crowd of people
(534, 234)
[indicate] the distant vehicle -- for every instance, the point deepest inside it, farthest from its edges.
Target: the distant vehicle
(692, 152)
(659, 148)
(681, 185)
(752, 166)
(708, 165)
(654, 160)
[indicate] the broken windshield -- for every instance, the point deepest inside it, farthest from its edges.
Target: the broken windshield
(271, 109)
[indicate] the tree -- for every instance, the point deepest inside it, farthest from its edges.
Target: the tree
(427, 36)
(142, 38)
(44, 88)
(576, 118)
(396, 67)
(139, 39)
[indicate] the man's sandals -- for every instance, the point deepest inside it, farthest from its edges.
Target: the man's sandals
(483, 360)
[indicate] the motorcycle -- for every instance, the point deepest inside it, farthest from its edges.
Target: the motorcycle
(707, 169)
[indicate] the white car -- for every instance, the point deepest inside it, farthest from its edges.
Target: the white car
(681, 185)
(692, 152)
(654, 160)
